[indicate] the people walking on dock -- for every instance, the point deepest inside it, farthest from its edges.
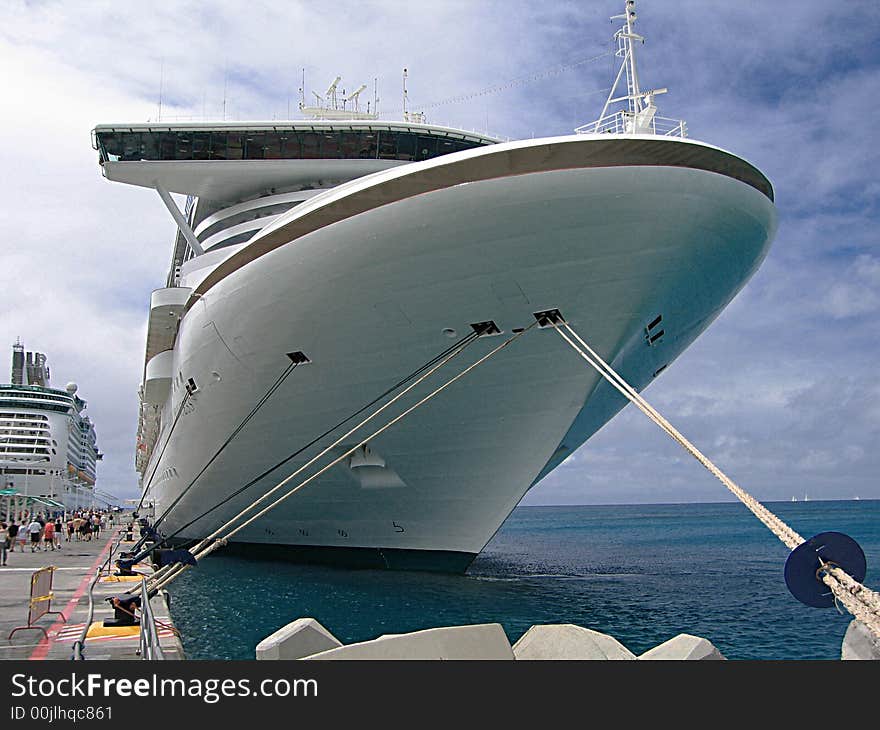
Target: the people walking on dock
(13, 535)
(59, 531)
(4, 542)
(49, 535)
(35, 530)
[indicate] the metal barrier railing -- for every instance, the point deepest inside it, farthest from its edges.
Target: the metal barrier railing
(80, 644)
(39, 601)
(150, 647)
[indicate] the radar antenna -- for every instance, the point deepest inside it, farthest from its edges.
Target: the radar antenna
(353, 97)
(331, 92)
(331, 106)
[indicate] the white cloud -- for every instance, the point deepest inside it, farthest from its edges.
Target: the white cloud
(857, 291)
(784, 377)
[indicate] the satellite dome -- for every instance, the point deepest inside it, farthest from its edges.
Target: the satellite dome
(71, 388)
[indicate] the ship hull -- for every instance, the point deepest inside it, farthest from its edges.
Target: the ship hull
(372, 297)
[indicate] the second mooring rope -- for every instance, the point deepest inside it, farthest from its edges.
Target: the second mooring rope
(165, 574)
(859, 600)
(215, 540)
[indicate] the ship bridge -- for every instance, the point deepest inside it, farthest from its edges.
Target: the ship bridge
(258, 170)
(254, 157)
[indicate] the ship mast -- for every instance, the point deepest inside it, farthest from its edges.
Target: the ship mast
(639, 116)
(625, 37)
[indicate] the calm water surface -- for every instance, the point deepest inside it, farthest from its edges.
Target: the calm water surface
(642, 573)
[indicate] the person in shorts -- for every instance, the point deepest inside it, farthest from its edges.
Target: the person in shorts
(49, 535)
(35, 530)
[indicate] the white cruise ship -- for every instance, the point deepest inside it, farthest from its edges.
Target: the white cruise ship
(357, 250)
(48, 450)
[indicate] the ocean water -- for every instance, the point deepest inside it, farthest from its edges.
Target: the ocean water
(642, 573)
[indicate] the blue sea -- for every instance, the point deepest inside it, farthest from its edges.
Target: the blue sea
(642, 573)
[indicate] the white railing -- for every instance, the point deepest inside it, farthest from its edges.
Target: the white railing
(623, 122)
(150, 648)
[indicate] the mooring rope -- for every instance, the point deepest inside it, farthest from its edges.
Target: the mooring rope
(150, 534)
(164, 575)
(211, 543)
(859, 600)
(379, 431)
(279, 381)
(167, 573)
(399, 384)
(177, 416)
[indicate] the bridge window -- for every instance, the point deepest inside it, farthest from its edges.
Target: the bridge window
(284, 144)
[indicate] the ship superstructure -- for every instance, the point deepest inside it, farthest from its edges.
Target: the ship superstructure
(48, 446)
(358, 249)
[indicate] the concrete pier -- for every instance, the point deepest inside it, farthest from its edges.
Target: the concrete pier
(567, 641)
(859, 643)
(306, 639)
(75, 563)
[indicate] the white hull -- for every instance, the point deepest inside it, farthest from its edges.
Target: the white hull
(367, 299)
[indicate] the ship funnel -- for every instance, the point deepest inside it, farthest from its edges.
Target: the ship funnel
(37, 372)
(18, 363)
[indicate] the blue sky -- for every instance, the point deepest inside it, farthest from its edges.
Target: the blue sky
(781, 391)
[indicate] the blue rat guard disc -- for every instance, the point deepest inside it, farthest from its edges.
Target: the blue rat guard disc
(803, 562)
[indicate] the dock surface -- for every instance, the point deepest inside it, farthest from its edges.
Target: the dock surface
(76, 563)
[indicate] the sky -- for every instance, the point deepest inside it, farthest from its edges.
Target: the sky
(780, 391)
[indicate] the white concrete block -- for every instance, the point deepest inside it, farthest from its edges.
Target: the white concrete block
(298, 639)
(567, 641)
(481, 641)
(859, 643)
(684, 647)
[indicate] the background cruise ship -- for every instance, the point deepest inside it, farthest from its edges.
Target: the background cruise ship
(357, 250)
(48, 449)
